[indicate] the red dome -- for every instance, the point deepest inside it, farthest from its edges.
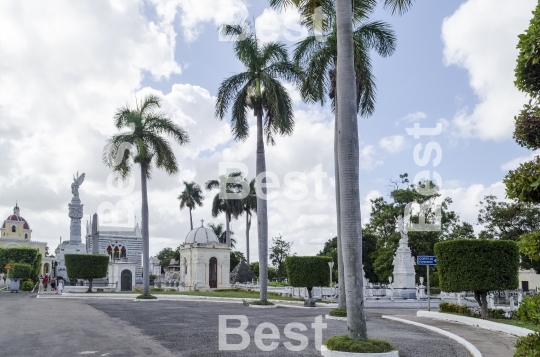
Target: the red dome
(16, 218)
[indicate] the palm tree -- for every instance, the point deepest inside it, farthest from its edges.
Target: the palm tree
(222, 234)
(259, 89)
(249, 205)
(191, 197)
(319, 61)
(143, 144)
(227, 200)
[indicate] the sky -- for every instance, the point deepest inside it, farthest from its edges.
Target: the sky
(66, 66)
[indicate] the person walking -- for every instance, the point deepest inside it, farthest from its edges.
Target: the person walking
(4, 279)
(45, 281)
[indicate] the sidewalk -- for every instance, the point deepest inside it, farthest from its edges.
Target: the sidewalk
(489, 343)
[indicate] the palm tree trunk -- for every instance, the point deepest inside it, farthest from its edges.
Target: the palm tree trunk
(262, 213)
(248, 226)
(348, 164)
(342, 301)
(190, 219)
(227, 235)
(145, 234)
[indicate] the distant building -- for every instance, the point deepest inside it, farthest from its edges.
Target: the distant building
(121, 244)
(155, 266)
(16, 232)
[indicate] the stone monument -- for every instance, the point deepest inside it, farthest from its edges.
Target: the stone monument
(75, 211)
(404, 274)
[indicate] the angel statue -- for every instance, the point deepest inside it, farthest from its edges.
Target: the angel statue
(401, 227)
(77, 182)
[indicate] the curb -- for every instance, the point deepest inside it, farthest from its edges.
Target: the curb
(330, 317)
(469, 346)
(263, 306)
(472, 321)
(329, 353)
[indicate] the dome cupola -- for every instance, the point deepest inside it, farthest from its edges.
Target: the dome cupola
(201, 235)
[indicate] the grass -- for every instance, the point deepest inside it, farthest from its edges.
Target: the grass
(518, 323)
(146, 297)
(259, 302)
(338, 313)
(343, 343)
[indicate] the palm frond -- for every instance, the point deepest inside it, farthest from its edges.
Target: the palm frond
(228, 90)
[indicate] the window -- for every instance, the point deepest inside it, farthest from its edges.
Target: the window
(13, 228)
(123, 252)
(26, 235)
(109, 251)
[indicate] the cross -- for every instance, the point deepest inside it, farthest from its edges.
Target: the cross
(202, 222)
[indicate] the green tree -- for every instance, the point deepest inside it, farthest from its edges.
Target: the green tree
(87, 266)
(249, 206)
(191, 197)
(165, 256)
(258, 89)
(279, 250)
(509, 221)
(383, 225)
(143, 144)
(478, 265)
(221, 233)
(227, 201)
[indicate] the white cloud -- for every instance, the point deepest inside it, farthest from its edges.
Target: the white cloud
(481, 37)
(194, 13)
(514, 163)
(393, 144)
(411, 117)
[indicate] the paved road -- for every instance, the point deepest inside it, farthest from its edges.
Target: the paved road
(489, 343)
(103, 327)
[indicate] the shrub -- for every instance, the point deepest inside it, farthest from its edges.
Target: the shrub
(455, 309)
(478, 265)
(529, 309)
(528, 346)
(307, 271)
(86, 266)
(27, 285)
(21, 271)
(345, 344)
(21, 255)
(338, 313)
(153, 277)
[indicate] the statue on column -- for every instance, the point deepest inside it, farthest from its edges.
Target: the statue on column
(75, 211)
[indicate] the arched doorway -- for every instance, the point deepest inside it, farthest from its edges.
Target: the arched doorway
(126, 280)
(212, 278)
(46, 268)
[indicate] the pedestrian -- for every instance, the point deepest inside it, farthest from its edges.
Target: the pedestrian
(53, 283)
(45, 281)
(4, 279)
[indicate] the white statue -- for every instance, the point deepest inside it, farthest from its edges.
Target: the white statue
(402, 229)
(77, 182)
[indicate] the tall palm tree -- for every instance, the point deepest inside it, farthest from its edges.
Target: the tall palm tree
(227, 200)
(191, 197)
(221, 233)
(319, 60)
(249, 205)
(346, 146)
(259, 89)
(143, 144)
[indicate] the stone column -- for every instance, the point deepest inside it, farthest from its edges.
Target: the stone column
(75, 213)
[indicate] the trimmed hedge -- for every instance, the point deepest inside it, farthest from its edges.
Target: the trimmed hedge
(86, 266)
(478, 265)
(21, 255)
(471, 312)
(308, 271)
(21, 271)
(343, 343)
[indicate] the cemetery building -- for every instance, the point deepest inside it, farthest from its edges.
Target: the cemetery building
(204, 262)
(16, 232)
(122, 245)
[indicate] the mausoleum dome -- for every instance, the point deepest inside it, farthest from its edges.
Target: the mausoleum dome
(201, 235)
(16, 217)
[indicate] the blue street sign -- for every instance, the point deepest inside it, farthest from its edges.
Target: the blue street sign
(426, 260)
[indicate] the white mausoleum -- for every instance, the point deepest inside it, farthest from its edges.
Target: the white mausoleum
(204, 262)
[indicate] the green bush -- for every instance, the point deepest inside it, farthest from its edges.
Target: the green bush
(345, 344)
(528, 346)
(27, 285)
(477, 265)
(86, 266)
(455, 309)
(21, 271)
(338, 313)
(529, 309)
(528, 62)
(308, 271)
(21, 255)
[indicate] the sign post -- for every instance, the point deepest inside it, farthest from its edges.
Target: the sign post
(331, 265)
(427, 260)
(7, 267)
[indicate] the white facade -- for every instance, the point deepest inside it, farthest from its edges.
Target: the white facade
(122, 274)
(120, 244)
(204, 262)
(404, 273)
(529, 279)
